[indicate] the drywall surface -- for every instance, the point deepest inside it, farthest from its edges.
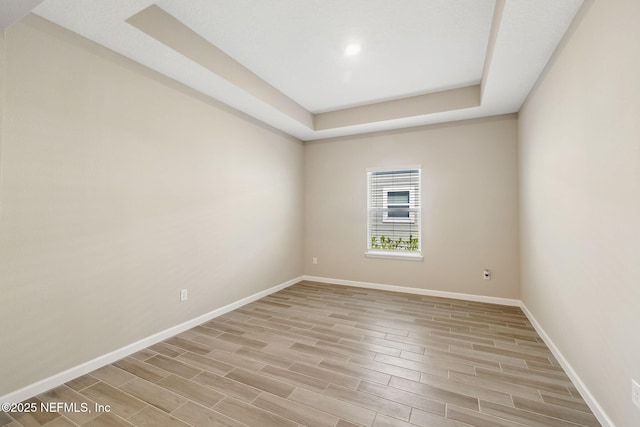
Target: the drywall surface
(2, 96)
(469, 213)
(580, 204)
(119, 189)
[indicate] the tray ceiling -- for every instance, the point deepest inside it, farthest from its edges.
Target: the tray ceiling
(283, 61)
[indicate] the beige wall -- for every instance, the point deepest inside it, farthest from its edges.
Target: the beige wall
(119, 188)
(470, 206)
(580, 204)
(2, 96)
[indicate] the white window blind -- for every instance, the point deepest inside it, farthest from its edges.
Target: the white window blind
(393, 207)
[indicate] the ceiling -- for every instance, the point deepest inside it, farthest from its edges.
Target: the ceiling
(283, 61)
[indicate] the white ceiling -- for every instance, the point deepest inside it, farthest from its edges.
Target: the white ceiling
(422, 61)
(409, 47)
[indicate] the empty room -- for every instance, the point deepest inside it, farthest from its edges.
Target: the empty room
(320, 213)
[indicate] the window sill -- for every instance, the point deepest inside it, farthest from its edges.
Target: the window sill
(394, 255)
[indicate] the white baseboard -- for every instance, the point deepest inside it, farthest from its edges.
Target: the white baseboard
(417, 291)
(595, 407)
(84, 368)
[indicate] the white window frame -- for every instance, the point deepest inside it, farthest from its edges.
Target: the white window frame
(415, 208)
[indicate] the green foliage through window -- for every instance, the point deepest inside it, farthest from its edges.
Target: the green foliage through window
(383, 242)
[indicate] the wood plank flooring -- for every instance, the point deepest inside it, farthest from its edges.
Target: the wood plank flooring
(331, 356)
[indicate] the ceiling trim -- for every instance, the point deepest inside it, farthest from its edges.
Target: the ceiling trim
(14, 10)
(522, 38)
(420, 105)
(493, 37)
(166, 29)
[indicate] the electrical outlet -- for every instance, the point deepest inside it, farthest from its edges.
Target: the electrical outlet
(486, 275)
(635, 393)
(183, 295)
(315, 260)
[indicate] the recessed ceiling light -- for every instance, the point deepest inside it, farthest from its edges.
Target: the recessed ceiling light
(352, 49)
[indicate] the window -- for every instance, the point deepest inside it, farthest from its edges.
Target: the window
(398, 201)
(393, 211)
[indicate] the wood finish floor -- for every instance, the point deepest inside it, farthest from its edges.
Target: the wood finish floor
(321, 355)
